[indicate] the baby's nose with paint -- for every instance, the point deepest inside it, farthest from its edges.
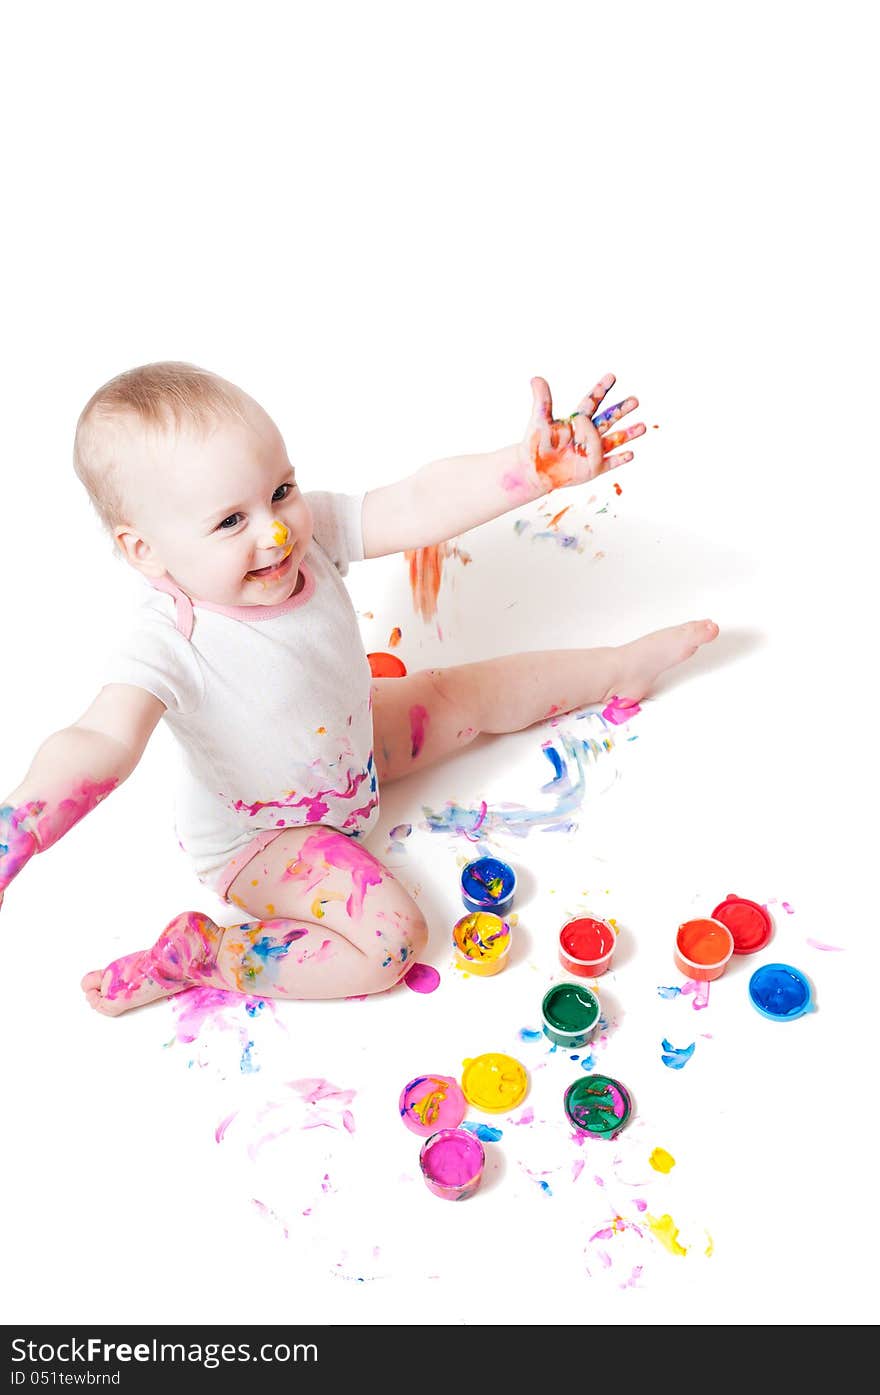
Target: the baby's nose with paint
(278, 535)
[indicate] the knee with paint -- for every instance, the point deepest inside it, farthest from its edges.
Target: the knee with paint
(401, 935)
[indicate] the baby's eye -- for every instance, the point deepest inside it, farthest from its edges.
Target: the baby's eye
(229, 522)
(282, 492)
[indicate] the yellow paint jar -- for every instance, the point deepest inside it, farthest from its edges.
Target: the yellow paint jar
(481, 942)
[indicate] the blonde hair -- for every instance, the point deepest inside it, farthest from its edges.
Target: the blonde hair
(163, 396)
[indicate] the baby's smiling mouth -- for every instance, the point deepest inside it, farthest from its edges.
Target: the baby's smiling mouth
(276, 567)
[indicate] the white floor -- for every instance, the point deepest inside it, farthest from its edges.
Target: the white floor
(150, 1178)
(722, 783)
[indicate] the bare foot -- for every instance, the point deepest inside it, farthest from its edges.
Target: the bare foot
(640, 663)
(184, 954)
(124, 985)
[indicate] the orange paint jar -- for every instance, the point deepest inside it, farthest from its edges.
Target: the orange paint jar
(703, 948)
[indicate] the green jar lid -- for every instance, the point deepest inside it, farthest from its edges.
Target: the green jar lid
(598, 1105)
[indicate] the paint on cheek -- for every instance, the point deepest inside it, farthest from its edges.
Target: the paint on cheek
(280, 533)
(418, 722)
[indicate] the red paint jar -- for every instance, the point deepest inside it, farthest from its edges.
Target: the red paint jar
(586, 946)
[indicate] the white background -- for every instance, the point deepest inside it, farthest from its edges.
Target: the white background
(381, 221)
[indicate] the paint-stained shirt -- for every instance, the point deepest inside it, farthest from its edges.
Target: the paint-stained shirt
(270, 705)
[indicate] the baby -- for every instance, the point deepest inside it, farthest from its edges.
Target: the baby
(246, 642)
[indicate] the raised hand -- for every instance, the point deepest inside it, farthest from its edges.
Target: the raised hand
(571, 450)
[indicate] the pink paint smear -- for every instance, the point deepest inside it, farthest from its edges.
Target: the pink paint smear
(620, 710)
(422, 978)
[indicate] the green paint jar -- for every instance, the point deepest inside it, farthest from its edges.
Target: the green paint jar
(570, 1014)
(598, 1105)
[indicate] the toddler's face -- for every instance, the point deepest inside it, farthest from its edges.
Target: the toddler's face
(223, 515)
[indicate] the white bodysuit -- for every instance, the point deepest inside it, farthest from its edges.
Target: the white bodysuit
(270, 705)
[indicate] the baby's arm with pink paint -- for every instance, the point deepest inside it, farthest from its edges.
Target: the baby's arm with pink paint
(73, 770)
(448, 497)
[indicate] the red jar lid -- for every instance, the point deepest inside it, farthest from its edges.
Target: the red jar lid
(749, 924)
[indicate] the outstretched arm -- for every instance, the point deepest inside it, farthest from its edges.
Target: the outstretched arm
(73, 771)
(448, 497)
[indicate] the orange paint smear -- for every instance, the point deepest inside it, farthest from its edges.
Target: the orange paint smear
(612, 440)
(557, 472)
(394, 637)
(556, 517)
(425, 575)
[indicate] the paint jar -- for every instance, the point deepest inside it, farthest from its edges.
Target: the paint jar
(586, 946)
(481, 942)
(748, 922)
(780, 992)
(598, 1105)
(494, 1082)
(570, 1014)
(703, 948)
(488, 884)
(452, 1162)
(432, 1102)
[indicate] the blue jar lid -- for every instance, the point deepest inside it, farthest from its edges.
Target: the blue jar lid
(780, 992)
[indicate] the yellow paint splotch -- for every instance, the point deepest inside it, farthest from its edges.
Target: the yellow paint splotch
(661, 1161)
(666, 1231)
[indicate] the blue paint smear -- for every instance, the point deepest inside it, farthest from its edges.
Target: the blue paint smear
(248, 1065)
(254, 1005)
(556, 761)
(571, 762)
(545, 1187)
(588, 1062)
(527, 1034)
(668, 992)
(565, 540)
(675, 1057)
(483, 1132)
(268, 948)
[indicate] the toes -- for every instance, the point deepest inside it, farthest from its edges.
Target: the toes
(91, 981)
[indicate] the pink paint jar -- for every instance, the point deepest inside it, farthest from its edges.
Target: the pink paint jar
(586, 946)
(452, 1162)
(703, 948)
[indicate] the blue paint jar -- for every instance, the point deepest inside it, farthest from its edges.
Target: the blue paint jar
(488, 884)
(780, 992)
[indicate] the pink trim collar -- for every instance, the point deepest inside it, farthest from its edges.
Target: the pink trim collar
(248, 613)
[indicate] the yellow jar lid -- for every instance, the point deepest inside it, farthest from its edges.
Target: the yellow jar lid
(494, 1082)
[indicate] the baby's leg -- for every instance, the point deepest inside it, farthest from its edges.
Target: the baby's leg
(329, 922)
(429, 714)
